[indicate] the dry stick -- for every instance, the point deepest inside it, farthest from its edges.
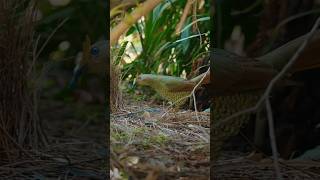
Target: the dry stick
(194, 16)
(14, 142)
(265, 96)
(116, 3)
(195, 25)
(193, 93)
(50, 36)
(34, 55)
(184, 16)
(115, 10)
(272, 136)
(132, 18)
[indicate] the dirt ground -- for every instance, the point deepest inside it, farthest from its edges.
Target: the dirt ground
(149, 141)
(77, 147)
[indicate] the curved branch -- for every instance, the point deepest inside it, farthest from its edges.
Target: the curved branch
(132, 18)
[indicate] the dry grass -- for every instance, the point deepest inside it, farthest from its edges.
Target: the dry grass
(241, 168)
(19, 122)
(25, 153)
(145, 144)
(116, 102)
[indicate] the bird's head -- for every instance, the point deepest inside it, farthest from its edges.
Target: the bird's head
(93, 59)
(145, 79)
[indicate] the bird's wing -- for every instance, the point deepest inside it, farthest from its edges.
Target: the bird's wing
(175, 84)
(184, 86)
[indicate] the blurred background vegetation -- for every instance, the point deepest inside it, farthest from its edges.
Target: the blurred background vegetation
(84, 17)
(152, 46)
(245, 14)
(254, 27)
(56, 62)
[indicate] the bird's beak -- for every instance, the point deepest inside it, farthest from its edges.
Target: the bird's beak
(81, 63)
(77, 71)
(139, 79)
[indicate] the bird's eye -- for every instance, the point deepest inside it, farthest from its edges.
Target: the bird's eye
(94, 51)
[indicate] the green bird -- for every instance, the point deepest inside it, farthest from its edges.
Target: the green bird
(171, 88)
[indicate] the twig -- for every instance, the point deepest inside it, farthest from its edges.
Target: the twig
(195, 25)
(15, 142)
(294, 17)
(50, 36)
(270, 87)
(193, 93)
(34, 55)
(184, 16)
(273, 141)
(132, 18)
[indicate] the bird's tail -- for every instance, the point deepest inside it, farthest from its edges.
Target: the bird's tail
(308, 59)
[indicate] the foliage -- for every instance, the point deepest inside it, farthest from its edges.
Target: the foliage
(159, 50)
(230, 13)
(85, 17)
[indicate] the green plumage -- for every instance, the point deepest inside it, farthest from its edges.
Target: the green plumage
(173, 89)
